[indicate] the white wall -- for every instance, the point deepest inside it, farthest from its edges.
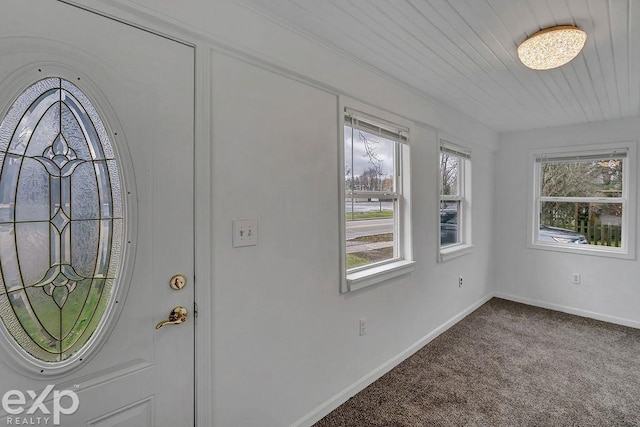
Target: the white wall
(285, 343)
(285, 340)
(609, 287)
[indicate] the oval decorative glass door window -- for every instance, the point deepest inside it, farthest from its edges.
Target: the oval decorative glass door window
(61, 222)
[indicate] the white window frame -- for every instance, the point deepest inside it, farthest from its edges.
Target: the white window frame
(402, 263)
(627, 199)
(464, 244)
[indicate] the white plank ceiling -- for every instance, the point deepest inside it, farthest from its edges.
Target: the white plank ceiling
(462, 53)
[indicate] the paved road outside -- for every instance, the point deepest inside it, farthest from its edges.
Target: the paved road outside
(369, 227)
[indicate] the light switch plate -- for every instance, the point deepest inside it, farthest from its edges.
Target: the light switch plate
(245, 232)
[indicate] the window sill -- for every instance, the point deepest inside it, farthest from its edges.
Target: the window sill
(371, 276)
(454, 251)
(601, 251)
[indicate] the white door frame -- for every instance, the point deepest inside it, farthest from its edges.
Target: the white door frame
(203, 267)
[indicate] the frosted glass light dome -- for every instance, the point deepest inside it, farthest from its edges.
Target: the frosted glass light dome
(552, 47)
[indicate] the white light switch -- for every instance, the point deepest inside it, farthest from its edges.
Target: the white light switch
(245, 232)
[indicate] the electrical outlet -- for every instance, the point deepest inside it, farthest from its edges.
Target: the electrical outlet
(460, 281)
(575, 278)
(245, 232)
(363, 327)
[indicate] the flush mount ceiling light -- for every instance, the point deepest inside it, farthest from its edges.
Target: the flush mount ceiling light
(552, 47)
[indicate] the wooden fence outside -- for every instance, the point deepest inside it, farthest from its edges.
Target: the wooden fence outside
(596, 233)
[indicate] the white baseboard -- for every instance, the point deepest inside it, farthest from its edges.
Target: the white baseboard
(319, 412)
(325, 408)
(570, 310)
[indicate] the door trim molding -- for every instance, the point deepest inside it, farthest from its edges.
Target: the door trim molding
(203, 267)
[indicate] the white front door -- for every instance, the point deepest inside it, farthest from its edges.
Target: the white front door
(101, 218)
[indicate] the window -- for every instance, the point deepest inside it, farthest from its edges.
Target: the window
(375, 198)
(61, 223)
(455, 206)
(582, 201)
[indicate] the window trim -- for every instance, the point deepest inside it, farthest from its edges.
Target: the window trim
(628, 198)
(364, 276)
(465, 245)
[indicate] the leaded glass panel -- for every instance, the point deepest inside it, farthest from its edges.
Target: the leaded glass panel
(61, 220)
(32, 254)
(32, 202)
(8, 183)
(84, 193)
(73, 134)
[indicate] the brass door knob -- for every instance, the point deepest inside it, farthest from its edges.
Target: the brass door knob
(177, 315)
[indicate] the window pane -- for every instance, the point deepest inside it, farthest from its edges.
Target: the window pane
(369, 231)
(370, 221)
(370, 161)
(581, 223)
(587, 178)
(449, 174)
(449, 231)
(348, 160)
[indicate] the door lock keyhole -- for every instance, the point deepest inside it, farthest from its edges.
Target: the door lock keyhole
(178, 282)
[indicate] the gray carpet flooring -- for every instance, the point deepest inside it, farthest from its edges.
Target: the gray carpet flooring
(509, 364)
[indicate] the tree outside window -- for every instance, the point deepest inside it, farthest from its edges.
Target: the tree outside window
(582, 200)
(584, 196)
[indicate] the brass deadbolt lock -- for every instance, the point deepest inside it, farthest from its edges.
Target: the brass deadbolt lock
(177, 282)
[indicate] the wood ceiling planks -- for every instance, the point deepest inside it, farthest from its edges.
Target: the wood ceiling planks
(462, 53)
